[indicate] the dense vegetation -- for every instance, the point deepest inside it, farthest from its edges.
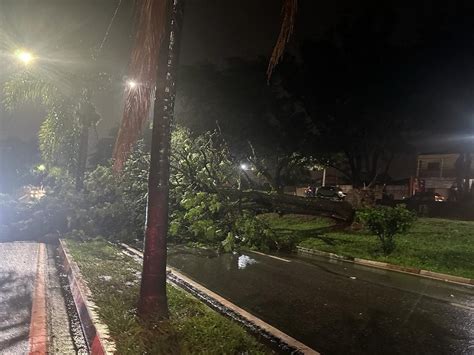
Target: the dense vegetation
(113, 205)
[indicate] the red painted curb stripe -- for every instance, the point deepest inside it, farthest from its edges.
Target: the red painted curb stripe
(38, 339)
(97, 348)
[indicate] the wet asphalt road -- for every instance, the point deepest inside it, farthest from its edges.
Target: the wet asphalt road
(18, 263)
(341, 308)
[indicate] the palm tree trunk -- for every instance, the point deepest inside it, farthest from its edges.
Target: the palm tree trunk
(153, 300)
(82, 156)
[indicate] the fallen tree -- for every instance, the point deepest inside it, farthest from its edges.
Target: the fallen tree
(262, 202)
(208, 204)
(205, 164)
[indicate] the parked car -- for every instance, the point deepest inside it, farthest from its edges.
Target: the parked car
(426, 197)
(330, 193)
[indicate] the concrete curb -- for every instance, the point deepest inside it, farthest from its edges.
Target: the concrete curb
(95, 332)
(390, 267)
(222, 305)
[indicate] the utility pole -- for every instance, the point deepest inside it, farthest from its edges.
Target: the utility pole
(153, 300)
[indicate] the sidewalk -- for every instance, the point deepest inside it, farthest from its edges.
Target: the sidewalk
(33, 314)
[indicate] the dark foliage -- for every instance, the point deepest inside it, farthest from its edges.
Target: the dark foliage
(263, 125)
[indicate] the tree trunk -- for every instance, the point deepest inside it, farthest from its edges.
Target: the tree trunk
(264, 202)
(276, 181)
(153, 300)
(82, 156)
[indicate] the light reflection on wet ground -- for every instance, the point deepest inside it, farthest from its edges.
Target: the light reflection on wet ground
(338, 307)
(244, 261)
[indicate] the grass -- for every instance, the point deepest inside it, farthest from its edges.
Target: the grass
(289, 230)
(193, 327)
(439, 245)
(293, 222)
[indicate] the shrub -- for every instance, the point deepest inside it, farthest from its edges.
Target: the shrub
(386, 223)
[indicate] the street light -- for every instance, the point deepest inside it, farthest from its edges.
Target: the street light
(24, 57)
(132, 84)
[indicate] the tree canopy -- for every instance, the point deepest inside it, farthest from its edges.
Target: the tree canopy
(263, 125)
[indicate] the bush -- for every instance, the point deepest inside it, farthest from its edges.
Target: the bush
(386, 223)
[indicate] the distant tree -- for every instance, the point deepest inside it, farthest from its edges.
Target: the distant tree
(355, 95)
(263, 125)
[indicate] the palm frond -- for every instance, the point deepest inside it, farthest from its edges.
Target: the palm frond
(151, 17)
(289, 11)
(58, 138)
(59, 130)
(23, 88)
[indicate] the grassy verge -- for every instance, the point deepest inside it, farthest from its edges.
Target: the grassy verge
(193, 327)
(440, 245)
(290, 230)
(288, 224)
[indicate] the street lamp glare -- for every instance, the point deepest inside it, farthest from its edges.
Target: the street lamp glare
(132, 84)
(24, 56)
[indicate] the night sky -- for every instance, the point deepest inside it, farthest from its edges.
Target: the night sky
(67, 30)
(440, 35)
